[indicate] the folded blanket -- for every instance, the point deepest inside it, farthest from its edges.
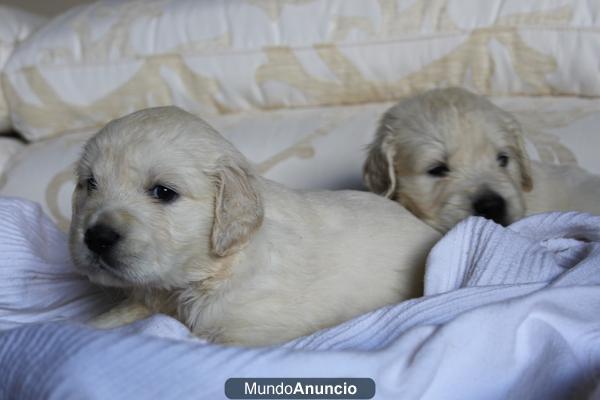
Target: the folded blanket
(508, 313)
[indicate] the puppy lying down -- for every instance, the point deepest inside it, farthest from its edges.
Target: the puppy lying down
(171, 212)
(448, 154)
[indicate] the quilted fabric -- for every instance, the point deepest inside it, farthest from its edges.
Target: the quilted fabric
(103, 60)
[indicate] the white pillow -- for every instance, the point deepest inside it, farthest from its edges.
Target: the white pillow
(103, 60)
(15, 26)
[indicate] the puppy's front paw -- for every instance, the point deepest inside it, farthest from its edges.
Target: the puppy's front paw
(122, 314)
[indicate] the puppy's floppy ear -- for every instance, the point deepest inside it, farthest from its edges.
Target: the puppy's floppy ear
(522, 157)
(238, 209)
(378, 171)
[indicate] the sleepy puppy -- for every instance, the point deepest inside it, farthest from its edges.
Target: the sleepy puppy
(171, 212)
(448, 154)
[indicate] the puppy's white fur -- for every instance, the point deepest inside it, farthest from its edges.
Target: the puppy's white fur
(466, 133)
(237, 258)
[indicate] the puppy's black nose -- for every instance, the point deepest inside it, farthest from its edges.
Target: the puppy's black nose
(100, 238)
(491, 206)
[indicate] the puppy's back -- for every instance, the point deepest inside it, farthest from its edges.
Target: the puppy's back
(359, 231)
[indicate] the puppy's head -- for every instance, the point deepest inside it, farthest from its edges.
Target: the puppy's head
(449, 154)
(160, 197)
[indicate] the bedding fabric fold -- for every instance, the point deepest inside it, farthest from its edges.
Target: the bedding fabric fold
(508, 313)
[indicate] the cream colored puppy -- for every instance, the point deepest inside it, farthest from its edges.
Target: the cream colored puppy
(170, 211)
(448, 154)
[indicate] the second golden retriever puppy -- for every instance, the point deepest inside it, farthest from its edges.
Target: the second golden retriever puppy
(448, 154)
(170, 211)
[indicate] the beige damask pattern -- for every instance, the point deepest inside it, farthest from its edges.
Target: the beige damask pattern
(470, 63)
(58, 182)
(273, 8)
(55, 115)
(334, 53)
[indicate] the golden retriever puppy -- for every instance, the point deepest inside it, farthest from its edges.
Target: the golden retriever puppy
(171, 212)
(448, 154)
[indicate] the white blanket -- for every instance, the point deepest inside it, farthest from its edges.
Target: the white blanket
(508, 313)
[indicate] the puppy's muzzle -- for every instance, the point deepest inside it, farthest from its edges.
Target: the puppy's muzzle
(492, 206)
(101, 239)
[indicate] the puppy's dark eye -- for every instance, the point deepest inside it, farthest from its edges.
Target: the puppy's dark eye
(439, 170)
(163, 194)
(503, 160)
(91, 184)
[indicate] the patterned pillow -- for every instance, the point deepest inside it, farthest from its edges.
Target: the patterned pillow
(15, 26)
(103, 60)
(312, 148)
(8, 148)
